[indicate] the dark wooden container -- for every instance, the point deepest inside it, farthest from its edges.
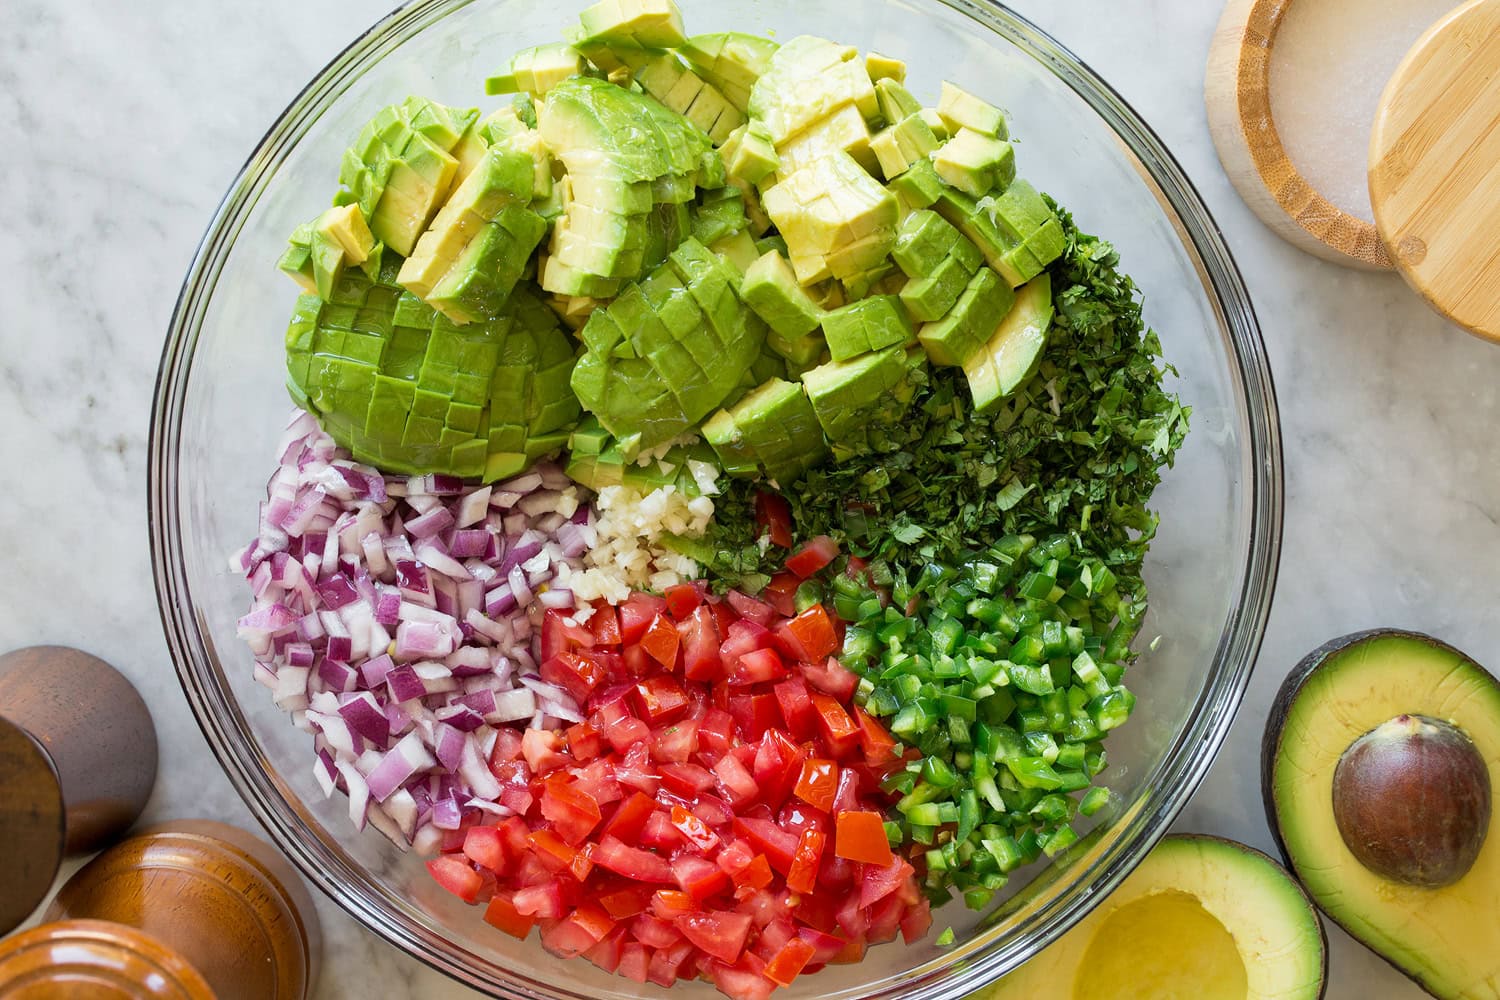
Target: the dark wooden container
(94, 960)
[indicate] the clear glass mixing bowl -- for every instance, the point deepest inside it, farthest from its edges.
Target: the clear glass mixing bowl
(220, 407)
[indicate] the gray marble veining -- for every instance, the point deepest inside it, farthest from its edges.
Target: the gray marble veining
(125, 122)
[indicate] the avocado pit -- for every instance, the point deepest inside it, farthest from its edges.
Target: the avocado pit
(1412, 801)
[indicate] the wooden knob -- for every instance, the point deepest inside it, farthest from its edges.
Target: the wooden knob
(1435, 167)
(95, 960)
(222, 899)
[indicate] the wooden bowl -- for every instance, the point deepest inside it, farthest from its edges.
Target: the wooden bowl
(1237, 92)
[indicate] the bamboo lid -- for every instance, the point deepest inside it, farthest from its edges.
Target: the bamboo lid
(94, 960)
(1435, 167)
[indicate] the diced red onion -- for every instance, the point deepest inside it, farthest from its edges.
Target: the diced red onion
(436, 520)
(365, 717)
(402, 761)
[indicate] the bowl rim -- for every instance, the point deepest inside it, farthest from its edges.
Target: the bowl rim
(972, 964)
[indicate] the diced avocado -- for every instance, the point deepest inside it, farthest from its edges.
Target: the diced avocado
(960, 109)
(537, 70)
(885, 68)
(834, 216)
(918, 188)
(320, 250)
(771, 289)
(419, 181)
(755, 156)
(1024, 215)
(964, 330)
(405, 389)
(806, 80)
(735, 455)
(1015, 348)
(772, 428)
(503, 178)
(867, 325)
(648, 381)
(480, 281)
(652, 24)
(721, 213)
(669, 80)
(923, 241)
(931, 298)
(895, 101)
(588, 438)
(1007, 237)
(854, 400)
(975, 163)
(843, 129)
(903, 144)
(737, 248)
(935, 122)
(731, 61)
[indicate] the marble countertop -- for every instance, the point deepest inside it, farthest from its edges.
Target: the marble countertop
(128, 120)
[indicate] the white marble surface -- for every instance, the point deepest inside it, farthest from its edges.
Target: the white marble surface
(125, 122)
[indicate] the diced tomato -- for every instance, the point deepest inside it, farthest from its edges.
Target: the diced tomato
(669, 904)
(555, 853)
(627, 902)
(683, 600)
(826, 947)
(545, 901)
(860, 836)
(818, 784)
(832, 678)
(700, 645)
(573, 813)
(836, 726)
(740, 982)
(604, 624)
(917, 922)
(878, 744)
(847, 796)
(693, 828)
(721, 934)
(485, 845)
(754, 714)
(630, 818)
(713, 810)
(736, 783)
(773, 516)
(852, 954)
(877, 883)
(507, 747)
(885, 920)
(643, 866)
(660, 700)
(502, 913)
(584, 928)
(667, 963)
(809, 637)
(724, 615)
(654, 932)
(796, 706)
(748, 608)
(803, 877)
(583, 742)
(778, 764)
(781, 593)
(659, 834)
(837, 874)
(687, 780)
(627, 733)
(815, 554)
(561, 635)
(716, 732)
(776, 844)
(635, 960)
(789, 962)
(457, 876)
(576, 673)
(661, 641)
(583, 863)
(699, 878)
(636, 614)
(608, 953)
(675, 743)
(758, 666)
(543, 751)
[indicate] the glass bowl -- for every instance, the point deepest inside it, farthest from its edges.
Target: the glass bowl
(220, 407)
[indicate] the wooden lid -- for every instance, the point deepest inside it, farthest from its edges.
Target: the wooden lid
(196, 885)
(1435, 167)
(95, 960)
(32, 824)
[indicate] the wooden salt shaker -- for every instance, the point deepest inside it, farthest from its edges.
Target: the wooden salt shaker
(224, 900)
(77, 762)
(94, 960)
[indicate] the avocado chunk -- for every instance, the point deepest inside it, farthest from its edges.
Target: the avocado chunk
(894, 101)
(750, 155)
(732, 61)
(844, 130)
(667, 351)
(1014, 350)
(897, 147)
(884, 68)
(960, 109)
(974, 163)
(595, 460)
(1392, 692)
(537, 70)
(805, 81)
(867, 325)
(320, 250)
(406, 389)
(668, 79)
(651, 24)
(1199, 917)
(962, 336)
(919, 187)
(836, 219)
(771, 289)
(1018, 234)
(858, 399)
(772, 429)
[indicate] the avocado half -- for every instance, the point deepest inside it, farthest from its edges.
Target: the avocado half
(1445, 938)
(1201, 916)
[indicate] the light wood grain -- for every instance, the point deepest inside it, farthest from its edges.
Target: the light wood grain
(1237, 94)
(1435, 167)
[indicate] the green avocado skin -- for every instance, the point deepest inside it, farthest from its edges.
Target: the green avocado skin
(406, 390)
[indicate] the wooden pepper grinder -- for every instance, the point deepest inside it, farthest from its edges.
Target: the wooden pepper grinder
(225, 901)
(77, 762)
(94, 960)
